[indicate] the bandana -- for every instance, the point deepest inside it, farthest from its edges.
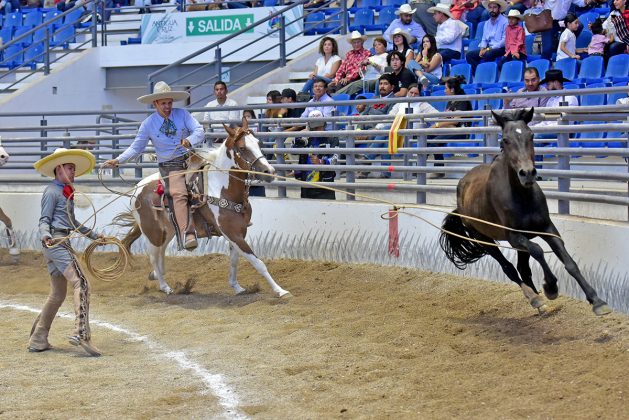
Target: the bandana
(168, 128)
(68, 192)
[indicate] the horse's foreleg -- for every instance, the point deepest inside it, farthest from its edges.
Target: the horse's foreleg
(599, 306)
(243, 248)
(14, 251)
(233, 269)
(156, 256)
(529, 292)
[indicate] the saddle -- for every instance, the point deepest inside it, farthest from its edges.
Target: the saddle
(195, 184)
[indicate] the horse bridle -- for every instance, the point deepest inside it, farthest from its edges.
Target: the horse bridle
(240, 134)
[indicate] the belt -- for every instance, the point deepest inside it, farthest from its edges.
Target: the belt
(175, 162)
(62, 231)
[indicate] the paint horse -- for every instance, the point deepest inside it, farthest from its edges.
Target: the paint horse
(14, 251)
(506, 193)
(224, 212)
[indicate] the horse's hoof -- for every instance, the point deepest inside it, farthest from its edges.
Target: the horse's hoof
(543, 310)
(167, 290)
(551, 291)
(601, 309)
(284, 294)
(152, 276)
(240, 291)
(537, 302)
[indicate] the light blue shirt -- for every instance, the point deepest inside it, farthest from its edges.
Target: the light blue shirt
(494, 32)
(325, 110)
(167, 147)
(413, 28)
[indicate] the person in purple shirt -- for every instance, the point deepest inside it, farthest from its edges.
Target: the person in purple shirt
(172, 131)
(492, 44)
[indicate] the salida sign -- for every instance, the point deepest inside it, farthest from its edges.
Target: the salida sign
(218, 25)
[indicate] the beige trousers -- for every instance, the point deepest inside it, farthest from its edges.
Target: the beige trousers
(176, 187)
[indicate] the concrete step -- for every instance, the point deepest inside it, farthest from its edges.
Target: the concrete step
(281, 86)
(256, 100)
(296, 76)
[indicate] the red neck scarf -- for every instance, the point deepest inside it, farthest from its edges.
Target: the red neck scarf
(68, 192)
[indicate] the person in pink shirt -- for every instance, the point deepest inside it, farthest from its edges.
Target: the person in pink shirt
(599, 39)
(515, 48)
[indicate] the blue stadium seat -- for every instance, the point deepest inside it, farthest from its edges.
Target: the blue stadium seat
(27, 40)
(464, 70)
(613, 97)
(314, 21)
(40, 35)
(332, 22)
(486, 73)
(542, 65)
(33, 55)
(13, 56)
(74, 18)
(512, 71)
(6, 33)
(386, 15)
(342, 109)
(51, 14)
(591, 68)
(363, 18)
(493, 103)
(478, 35)
(529, 40)
(270, 3)
(439, 106)
(393, 3)
(592, 135)
(618, 139)
(587, 18)
(593, 100)
(12, 20)
(568, 66)
(617, 66)
(371, 4)
(63, 36)
(584, 38)
(33, 18)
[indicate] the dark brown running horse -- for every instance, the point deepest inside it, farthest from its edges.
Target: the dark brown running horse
(505, 193)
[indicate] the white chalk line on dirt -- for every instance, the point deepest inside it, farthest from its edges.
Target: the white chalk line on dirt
(213, 382)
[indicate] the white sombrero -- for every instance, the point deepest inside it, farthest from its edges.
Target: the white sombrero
(441, 7)
(503, 4)
(356, 35)
(515, 14)
(405, 9)
(400, 31)
(161, 90)
(83, 160)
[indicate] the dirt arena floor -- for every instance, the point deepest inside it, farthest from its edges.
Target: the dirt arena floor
(354, 342)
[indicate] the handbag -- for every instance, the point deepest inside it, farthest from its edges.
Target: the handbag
(540, 22)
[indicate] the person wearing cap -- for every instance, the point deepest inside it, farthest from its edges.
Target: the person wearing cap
(171, 131)
(554, 80)
(406, 23)
(351, 66)
(515, 47)
(327, 157)
(210, 117)
(56, 223)
(492, 44)
(449, 34)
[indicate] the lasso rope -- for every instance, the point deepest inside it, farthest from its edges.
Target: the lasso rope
(112, 272)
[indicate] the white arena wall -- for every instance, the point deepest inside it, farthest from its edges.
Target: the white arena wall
(350, 232)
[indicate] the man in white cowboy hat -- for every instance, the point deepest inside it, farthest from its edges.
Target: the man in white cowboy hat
(406, 23)
(56, 224)
(350, 67)
(172, 131)
(492, 43)
(449, 33)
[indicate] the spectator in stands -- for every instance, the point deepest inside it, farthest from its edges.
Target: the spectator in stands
(350, 68)
(210, 117)
(406, 23)
(492, 44)
(360, 107)
(428, 66)
(554, 80)
(374, 66)
(460, 8)
(449, 34)
(559, 9)
(250, 115)
(319, 102)
(477, 14)
(517, 5)
(401, 43)
(326, 65)
(289, 96)
(386, 87)
(617, 27)
(599, 40)
(326, 157)
(423, 17)
(515, 46)
(418, 108)
(273, 97)
(531, 84)
(402, 77)
(453, 88)
(623, 101)
(568, 40)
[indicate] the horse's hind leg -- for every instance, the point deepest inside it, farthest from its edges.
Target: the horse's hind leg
(233, 269)
(599, 306)
(529, 292)
(14, 251)
(525, 270)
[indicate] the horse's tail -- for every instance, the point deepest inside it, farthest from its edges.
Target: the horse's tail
(126, 219)
(459, 249)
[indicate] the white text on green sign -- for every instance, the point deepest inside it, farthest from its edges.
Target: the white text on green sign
(218, 25)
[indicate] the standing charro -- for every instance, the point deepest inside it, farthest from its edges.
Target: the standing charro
(56, 223)
(172, 131)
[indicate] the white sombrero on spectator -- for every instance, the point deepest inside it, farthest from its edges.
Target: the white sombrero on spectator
(356, 35)
(502, 3)
(515, 14)
(405, 9)
(83, 161)
(161, 90)
(400, 31)
(441, 7)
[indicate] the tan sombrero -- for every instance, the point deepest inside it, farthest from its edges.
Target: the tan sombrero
(405, 9)
(400, 31)
(515, 14)
(503, 4)
(356, 35)
(441, 7)
(161, 90)
(83, 160)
